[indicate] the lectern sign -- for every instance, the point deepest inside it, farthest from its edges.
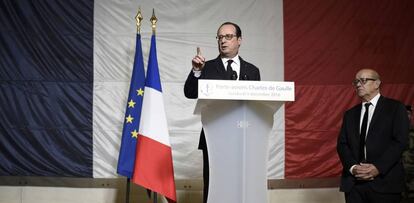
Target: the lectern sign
(246, 90)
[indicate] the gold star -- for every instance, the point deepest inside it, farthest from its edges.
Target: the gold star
(129, 119)
(131, 104)
(140, 92)
(134, 133)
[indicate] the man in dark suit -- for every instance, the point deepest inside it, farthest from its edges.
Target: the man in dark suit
(227, 66)
(370, 144)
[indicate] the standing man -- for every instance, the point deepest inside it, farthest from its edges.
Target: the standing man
(227, 66)
(370, 144)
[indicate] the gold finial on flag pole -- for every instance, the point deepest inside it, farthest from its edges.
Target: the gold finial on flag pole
(153, 21)
(139, 18)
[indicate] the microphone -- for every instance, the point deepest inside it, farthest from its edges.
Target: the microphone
(234, 75)
(245, 77)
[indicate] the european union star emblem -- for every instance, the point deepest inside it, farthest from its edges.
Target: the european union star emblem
(126, 159)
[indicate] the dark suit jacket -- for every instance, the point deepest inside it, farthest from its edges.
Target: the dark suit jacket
(387, 138)
(214, 69)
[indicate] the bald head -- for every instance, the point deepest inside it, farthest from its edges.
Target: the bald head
(371, 72)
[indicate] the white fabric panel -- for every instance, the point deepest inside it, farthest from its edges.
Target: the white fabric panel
(153, 121)
(182, 26)
(276, 163)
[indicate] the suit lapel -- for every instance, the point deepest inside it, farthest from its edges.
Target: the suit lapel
(243, 70)
(357, 120)
(377, 113)
(220, 68)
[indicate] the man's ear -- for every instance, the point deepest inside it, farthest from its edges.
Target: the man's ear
(378, 83)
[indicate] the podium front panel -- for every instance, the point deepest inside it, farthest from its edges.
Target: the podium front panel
(237, 140)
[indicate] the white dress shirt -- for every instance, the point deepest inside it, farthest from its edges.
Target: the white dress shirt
(235, 65)
(374, 102)
(371, 110)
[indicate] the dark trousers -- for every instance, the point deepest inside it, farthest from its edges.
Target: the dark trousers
(206, 176)
(362, 193)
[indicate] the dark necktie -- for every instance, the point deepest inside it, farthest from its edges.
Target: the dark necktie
(229, 70)
(363, 134)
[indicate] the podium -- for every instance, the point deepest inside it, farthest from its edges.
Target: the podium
(237, 117)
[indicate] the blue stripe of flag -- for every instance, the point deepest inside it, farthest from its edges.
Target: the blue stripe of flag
(153, 75)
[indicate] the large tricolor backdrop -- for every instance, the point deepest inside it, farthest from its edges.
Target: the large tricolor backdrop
(65, 68)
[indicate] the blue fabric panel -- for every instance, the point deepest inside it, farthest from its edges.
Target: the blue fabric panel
(46, 88)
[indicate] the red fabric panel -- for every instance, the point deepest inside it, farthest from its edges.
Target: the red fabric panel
(326, 43)
(153, 167)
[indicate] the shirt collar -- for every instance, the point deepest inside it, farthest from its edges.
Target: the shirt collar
(235, 59)
(374, 100)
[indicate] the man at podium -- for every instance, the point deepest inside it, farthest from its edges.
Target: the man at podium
(227, 66)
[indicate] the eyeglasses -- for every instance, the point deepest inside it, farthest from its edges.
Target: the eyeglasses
(227, 37)
(363, 81)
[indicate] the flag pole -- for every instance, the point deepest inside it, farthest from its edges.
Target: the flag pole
(127, 190)
(138, 18)
(153, 21)
(155, 197)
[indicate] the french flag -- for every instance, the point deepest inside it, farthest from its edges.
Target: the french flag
(153, 162)
(65, 71)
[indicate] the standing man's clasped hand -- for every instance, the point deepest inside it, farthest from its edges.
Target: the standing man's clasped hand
(198, 61)
(365, 171)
